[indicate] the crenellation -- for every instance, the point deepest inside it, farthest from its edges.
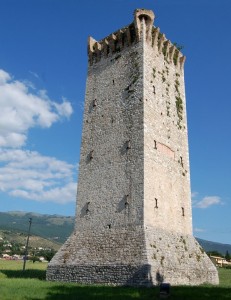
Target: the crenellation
(182, 61)
(91, 44)
(131, 31)
(90, 49)
(166, 48)
(105, 47)
(112, 42)
(120, 40)
(98, 51)
(161, 40)
(127, 37)
(155, 35)
(172, 51)
(130, 35)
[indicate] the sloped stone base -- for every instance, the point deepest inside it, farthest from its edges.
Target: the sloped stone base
(134, 257)
(178, 259)
(127, 275)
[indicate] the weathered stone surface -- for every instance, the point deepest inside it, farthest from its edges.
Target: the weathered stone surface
(133, 219)
(132, 256)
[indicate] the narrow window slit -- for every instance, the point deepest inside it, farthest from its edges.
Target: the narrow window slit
(94, 103)
(87, 209)
(156, 202)
(182, 209)
(126, 201)
(91, 154)
(155, 144)
(128, 145)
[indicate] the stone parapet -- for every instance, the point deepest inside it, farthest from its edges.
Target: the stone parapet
(131, 34)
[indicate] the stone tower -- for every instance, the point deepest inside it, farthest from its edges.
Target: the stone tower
(133, 217)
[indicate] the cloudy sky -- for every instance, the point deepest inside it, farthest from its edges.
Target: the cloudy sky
(43, 66)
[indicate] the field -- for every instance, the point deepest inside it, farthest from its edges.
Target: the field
(31, 285)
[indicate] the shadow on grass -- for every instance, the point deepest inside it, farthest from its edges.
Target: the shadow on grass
(30, 273)
(200, 292)
(126, 293)
(99, 292)
(62, 291)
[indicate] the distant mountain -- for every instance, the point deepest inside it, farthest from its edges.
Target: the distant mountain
(58, 228)
(52, 227)
(213, 246)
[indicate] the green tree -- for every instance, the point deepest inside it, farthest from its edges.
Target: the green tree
(215, 253)
(1, 248)
(227, 256)
(47, 253)
(16, 248)
(34, 258)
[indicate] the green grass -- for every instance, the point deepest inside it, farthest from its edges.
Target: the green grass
(31, 285)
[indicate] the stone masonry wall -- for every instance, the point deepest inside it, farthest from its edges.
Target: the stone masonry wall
(136, 256)
(166, 160)
(114, 256)
(177, 258)
(110, 186)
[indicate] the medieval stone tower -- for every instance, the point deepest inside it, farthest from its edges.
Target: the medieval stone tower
(133, 217)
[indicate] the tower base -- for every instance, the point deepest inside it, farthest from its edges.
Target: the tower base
(132, 256)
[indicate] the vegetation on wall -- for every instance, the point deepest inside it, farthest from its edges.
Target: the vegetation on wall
(178, 102)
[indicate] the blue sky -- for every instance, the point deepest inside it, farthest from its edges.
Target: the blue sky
(43, 66)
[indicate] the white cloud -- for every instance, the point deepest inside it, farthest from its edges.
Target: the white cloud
(64, 109)
(27, 174)
(20, 110)
(208, 201)
(61, 195)
(23, 173)
(194, 194)
(34, 74)
(4, 77)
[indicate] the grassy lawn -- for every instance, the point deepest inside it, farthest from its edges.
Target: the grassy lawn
(31, 285)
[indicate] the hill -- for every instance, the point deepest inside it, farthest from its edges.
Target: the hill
(51, 227)
(19, 238)
(213, 246)
(57, 229)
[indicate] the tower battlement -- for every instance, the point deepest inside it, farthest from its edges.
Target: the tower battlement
(131, 34)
